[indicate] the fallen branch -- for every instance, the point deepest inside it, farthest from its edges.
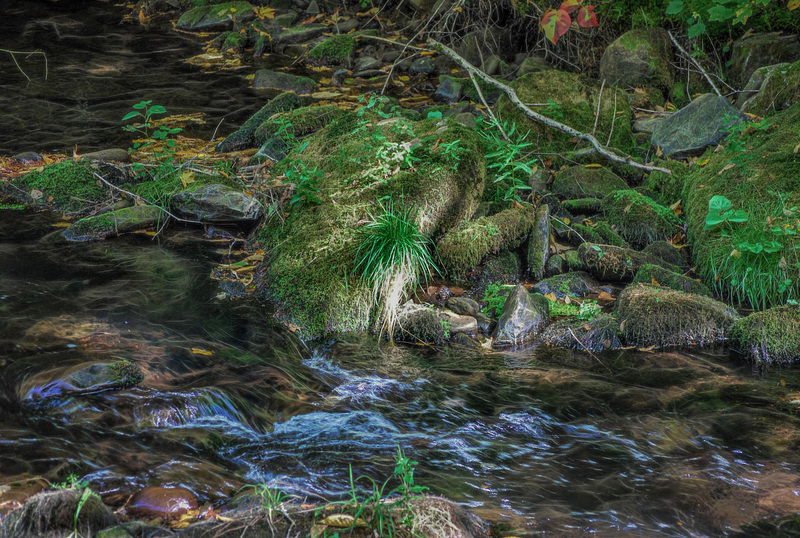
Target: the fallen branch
(512, 95)
(691, 59)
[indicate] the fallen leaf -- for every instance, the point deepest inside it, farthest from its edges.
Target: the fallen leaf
(605, 296)
(551, 296)
(593, 165)
(726, 168)
(200, 351)
(342, 521)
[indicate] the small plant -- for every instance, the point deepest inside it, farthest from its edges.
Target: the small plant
(588, 311)
(306, 183)
(495, 301)
(720, 212)
(727, 11)
(126, 373)
(508, 159)
(392, 256)
(144, 126)
(73, 483)
(272, 500)
(556, 22)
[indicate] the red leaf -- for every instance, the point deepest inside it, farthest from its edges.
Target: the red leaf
(570, 5)
(586, 17)
(555, 24)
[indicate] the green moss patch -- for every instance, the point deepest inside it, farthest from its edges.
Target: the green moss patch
(243, 137)
(67, 185)
(335, 50)
(770, 337)
(586, 182)
(760, 175)
(662, 317)
(653, 274)
(639, 219)
(298, 122)
(465, 246)
(599, 334)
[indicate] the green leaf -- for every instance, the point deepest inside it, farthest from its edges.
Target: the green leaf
(675, 7)
(130, 115)
(156, 109)
(719, 203)
(740, 215)
(435, 115)
(142, 104)
(720, 13)
(695, 30)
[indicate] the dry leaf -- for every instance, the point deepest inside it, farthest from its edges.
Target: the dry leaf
(703, 162)
(342, 521)
(593, 165)
(199, 351)
(605, 296)
(726, 168)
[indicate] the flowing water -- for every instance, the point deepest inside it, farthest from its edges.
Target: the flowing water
(542, 439)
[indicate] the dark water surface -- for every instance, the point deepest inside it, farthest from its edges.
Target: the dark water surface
(672, 444)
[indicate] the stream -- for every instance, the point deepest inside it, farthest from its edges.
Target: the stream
(540, 439)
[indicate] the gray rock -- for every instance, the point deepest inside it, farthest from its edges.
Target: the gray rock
(313, 8)
(459, 323)
(113, 223)
(216, 203)
(637, 57)
(539, 243)
(449, 91)
(216, 17)
(276, 80)
(556, 265)
(27, 157)
(485, 323)
(284, 20)
(532, 64)
(463, 305)
(647, 125)
(422, 66)
(56, 513)
(524, 315)
(491, 65)
(366, 63)
(700, 124)
(111, 154)
(598, 334)
(615, 264)
(303, 33)
(752, 51)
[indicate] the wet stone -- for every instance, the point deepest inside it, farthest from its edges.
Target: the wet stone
(423, 66)
(523, 317)
(216, 203)
(275, 80)
(463, 305)
(111, 154)
(27, 157)
(161, 502)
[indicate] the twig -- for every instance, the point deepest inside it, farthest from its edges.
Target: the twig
(613, 120)
(586, 349)
(700, 67)
(512, 95)
(599, 100)
(488, 108)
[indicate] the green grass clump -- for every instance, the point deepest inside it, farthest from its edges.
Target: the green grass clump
(771, 336)
(392, 256)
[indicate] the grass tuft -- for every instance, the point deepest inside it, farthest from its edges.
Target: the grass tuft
(392, 256)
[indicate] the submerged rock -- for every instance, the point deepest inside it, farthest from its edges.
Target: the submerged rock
(769, 337)
(216, 17)
(598, 334)
(126, 220)
(161, 502)
(662, 317)
(278, 80)
(523, 317)
(214, 203)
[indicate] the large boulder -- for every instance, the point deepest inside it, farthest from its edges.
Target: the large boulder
(778, 92)
(659, 276)
(757, 81)
(662, 317)
(639, 57)
(769, 337)
(309, 273)
(752, 51)
(700, 124)
(524, 315)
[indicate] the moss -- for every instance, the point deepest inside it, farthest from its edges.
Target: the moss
(583, 206)
(298, 122)
(596, 335)
(243, 137)
(653, 274)
(126, 373)
(616, 264)
(423, 324)
(662, 317)
(310, 273)
(665, 251)
(12, 207)
(668, 188)
(489, 91)
(465, 246)
(770, 337)
(601, 233)
(66, 185)
(639, 219)
(573, 284)
(335, 50)
(560, 310)
(763, 181)
(574, 101)
(123, 220)
(574, 261)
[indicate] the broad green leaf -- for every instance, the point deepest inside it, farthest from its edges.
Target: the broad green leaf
(740, 215)
(675, 7)
(719, 203)
(720, 13)
(772, 247)
(436, 115)
(130, 115)
(696, 29)
(157, 109)
(142, 104)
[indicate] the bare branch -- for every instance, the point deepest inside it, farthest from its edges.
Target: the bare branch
(691, 59)
(512, 95)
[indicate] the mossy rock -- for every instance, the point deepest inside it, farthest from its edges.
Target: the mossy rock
(639, 57)
(309, 274)
(335, 50)
(422, 323)
(125, 220)
(465, 246)
(69, 185)
(265, 79)
(583, 206)
(755, 50)
(539, 243)
(668, 188)
(764, 182)
(769, 337)
(223, 16)
(667, 252)
(653, 274)
(574, 262)
(779, 93)
(572, 284)
(615, 264)
(243, 137)
(524, 315)
(601, 333)
(639, 219)
(586, 182)
(298, 122)
(574, 101)
(601, 233)
(57, 513)
(662, 317)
